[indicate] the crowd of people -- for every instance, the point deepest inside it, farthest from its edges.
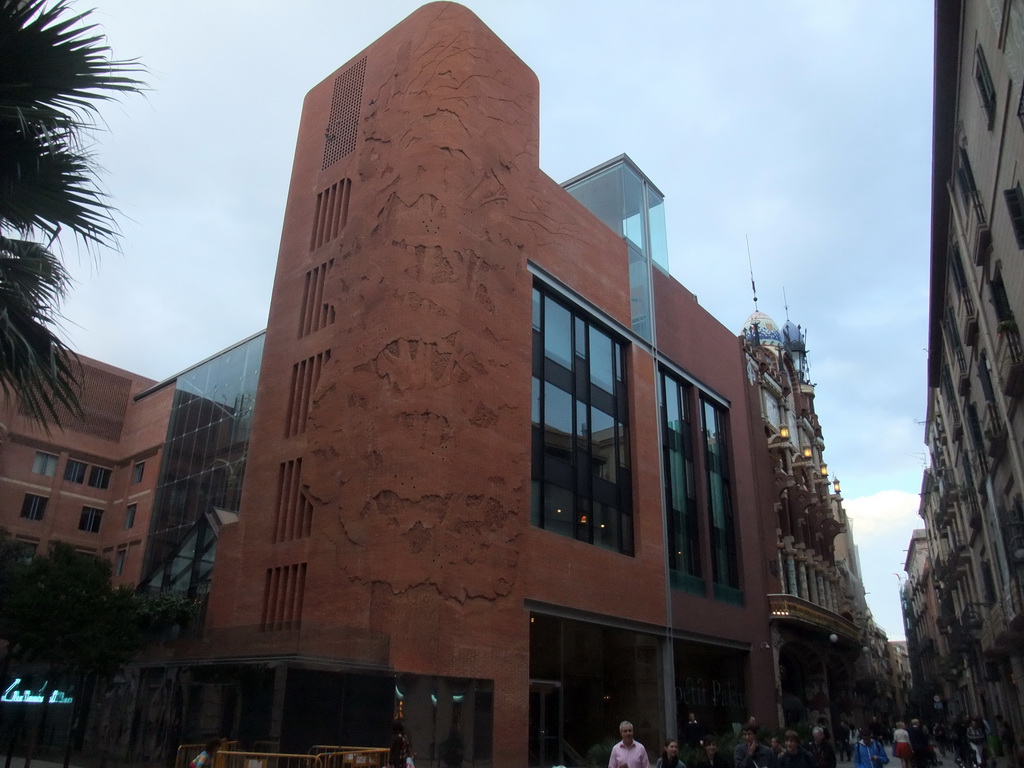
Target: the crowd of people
(969, 742)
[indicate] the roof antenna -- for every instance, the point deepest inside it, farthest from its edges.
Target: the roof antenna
(785, 302)
(750, 264)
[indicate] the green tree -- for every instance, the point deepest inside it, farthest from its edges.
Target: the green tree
(63, 612)
(55, 71)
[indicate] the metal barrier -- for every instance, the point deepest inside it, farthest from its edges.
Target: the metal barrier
(186, 752)
(232, 759)
(353, 757)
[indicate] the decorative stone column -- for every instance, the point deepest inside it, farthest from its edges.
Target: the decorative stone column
(791, 574)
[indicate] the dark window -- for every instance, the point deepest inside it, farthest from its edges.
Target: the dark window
(1015, 205)
(90, 520)
(74, 471)
(137, 473)
(986, 88)
(1000, 302)
(985, 376)
(953, 338)
(129, 516)
(680, 488)
(722, 524)
(581, 479)
(33, 507)
(974, 427)
(45, 464)
(956, 267)
(119, 561)
(968, 188)
(99, 477)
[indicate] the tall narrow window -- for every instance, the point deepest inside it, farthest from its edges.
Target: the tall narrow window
(581, 479)
(138, 472)
(1000, 301)
(966, 185)
(953, 339)
(986, 88)
(1015, 205)
(722, 524)
(680, 490)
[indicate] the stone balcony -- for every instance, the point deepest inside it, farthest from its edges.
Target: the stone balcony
(796, 610)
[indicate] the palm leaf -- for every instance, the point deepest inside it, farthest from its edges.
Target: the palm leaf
(36, 367)
(54, 68)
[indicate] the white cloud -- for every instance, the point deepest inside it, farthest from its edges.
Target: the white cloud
(884, 513)
(883, 524)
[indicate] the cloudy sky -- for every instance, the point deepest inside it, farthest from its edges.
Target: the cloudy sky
(802, 128)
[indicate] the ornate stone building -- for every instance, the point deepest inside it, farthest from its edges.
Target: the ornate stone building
(831, 659)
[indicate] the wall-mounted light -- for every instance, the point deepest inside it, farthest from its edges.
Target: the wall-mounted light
(807, 452)
(835, 483)
(784, 432)
(833, 638)
(824, 470)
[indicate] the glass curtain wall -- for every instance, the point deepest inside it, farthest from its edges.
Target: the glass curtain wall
(680, 488)
(580, 451)
(203, 466)
(724, 560)
(584, 679)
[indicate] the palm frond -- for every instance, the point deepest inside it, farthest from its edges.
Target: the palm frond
(55, 68)
(36, 367)
(46, 185)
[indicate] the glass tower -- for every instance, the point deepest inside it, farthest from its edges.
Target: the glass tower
(621, 196)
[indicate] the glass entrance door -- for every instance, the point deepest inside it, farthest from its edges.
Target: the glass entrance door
(545, 723)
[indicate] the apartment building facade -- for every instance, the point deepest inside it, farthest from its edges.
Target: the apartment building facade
(972, 493)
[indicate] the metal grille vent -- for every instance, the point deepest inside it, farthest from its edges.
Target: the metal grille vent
(104, 399)
(343, 126)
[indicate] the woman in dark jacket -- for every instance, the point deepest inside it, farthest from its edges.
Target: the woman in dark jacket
(711, 757)
(400, 746)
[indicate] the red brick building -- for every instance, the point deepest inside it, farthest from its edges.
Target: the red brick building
(405, 517)
(501, 479)
(91, 482)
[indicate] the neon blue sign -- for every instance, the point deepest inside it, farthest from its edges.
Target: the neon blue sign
(13, 696)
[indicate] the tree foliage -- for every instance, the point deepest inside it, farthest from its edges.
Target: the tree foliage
(12, 559)
(63, 611)
(55, 71)
(161, 611)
